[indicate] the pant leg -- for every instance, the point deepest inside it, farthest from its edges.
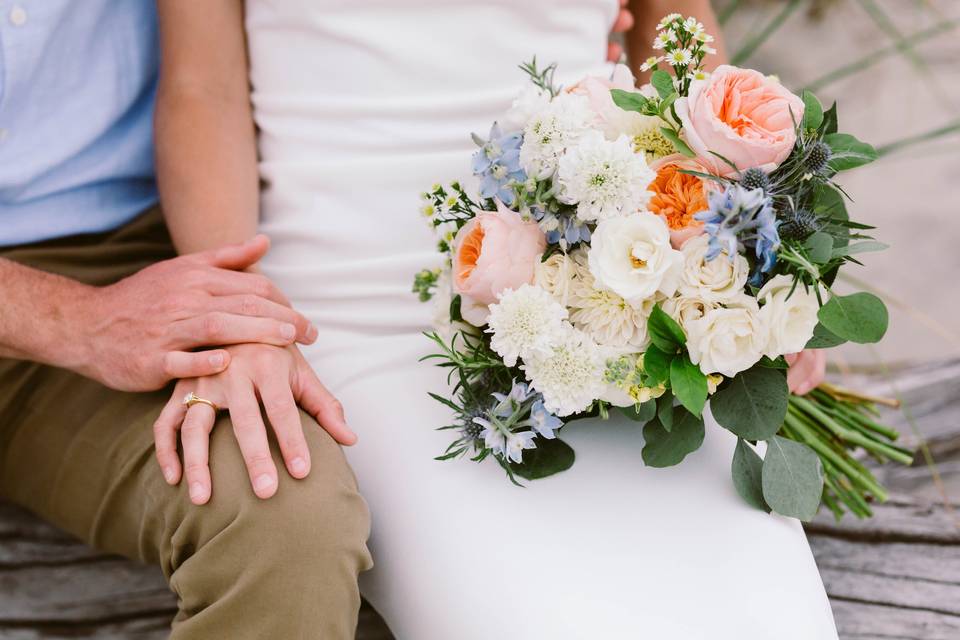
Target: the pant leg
(81, 456)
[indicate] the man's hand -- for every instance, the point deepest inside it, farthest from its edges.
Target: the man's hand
(138, 334)
(282, 379)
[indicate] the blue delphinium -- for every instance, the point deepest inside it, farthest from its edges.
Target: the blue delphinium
(502, 426)
(739, 217)
(564, 226)
(542, 421)
(497, 164)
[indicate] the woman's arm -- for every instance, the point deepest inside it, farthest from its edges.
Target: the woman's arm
(205, 138)
(647, 14)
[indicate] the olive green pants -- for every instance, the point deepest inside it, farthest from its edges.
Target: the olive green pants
(81, 456)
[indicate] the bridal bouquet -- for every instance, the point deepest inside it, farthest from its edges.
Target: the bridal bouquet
(648, 250)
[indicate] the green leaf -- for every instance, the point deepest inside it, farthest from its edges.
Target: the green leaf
(629, 100)
(812, 111)
(662, 82)
(823, 338)
(656, 364)
(865, 246)
(679, 144)
(664, 331)
(665, 411)
(455, 315)
(792, 478)
(777, 363)
(829, 124)
(848, 152)
(859, 317)
(753, 404)
(747, 470)
(820, 247)
(667, 102)
(664, 448)
(688, 383)
(641, 412)
(550, 457)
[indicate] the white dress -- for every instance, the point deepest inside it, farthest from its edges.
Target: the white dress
(362, 105)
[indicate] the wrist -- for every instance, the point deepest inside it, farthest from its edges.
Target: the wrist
(73, 344)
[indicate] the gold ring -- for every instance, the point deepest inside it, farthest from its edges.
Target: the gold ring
(191, 399)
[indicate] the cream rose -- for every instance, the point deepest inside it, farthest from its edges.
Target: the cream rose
(790, 317)
(728, 340)
(685, 309)
(716, 280)
(632, 257)
(555, 275)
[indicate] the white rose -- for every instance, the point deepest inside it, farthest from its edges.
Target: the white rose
(717, 280)
(685, 309)
(632, 257)
(790, 317)
(555, 276)
(728, 340)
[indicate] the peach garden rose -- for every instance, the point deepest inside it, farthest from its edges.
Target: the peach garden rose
(742, 115)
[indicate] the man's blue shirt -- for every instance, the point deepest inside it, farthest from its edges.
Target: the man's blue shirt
(77, 86)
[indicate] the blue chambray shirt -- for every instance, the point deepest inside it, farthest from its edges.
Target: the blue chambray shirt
(77, 85)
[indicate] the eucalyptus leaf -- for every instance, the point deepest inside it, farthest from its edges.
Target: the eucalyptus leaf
(747, 471)
(829, 124)
(860, 317)
(641, 412)
(820, 247)
(629, 100)
(548, 458)
(688, 384)
(662, 82)
(864, 246)
(823, 338)
(792, 478)
(664, 448)
(848, 152)
(812, 111)
(753, 404)
(665, 411)
(678, 143)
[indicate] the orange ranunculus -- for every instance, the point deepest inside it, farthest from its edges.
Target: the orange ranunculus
(677, 197)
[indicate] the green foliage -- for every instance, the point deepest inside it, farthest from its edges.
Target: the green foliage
(662, 82)
(424, 282)
(747, 472)
(859, 317)
(681, 146)
(830, 123)
(641, 412)
(663, 448)
(664, 331)
(665, 411)
(792, 478)
(752, 404)
(848, 152)
(820, 247)
(630, 101)
(549, 457)
(688, 383)
(823, 338)
(656, 365)
(542, 78)
(812, 111)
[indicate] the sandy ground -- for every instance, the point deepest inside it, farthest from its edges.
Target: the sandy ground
(912, 196)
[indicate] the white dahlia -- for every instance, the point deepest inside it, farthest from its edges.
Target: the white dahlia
(604, 179)
(572, 376)
(525, 322)
(553, 129)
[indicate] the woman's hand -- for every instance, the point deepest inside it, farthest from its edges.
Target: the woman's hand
(622, 24)
(282, 379)
(807, 370)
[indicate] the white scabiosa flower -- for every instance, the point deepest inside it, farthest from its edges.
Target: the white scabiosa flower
(728, 340)
(632, 257)
(604, 315)
(790, 314)
(604, 178)
(551, 131)
(570, 378)
(526, 322)
(713, 281)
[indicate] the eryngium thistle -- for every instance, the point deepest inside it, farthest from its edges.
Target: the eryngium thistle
(818, 155)
(799, 224)
(755, 178)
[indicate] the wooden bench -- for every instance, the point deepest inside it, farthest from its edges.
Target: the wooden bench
(895, 576)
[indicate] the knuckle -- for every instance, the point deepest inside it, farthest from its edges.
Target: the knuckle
(262, 286)
(250, 305)
(195, 468)
(258, 459)
(214, 326)
(335, 405)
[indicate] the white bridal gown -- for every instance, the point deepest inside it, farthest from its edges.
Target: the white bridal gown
(362, 105)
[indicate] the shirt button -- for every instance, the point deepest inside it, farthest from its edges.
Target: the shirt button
(18, 16)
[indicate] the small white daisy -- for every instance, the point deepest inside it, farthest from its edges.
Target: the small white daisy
(664, 38)
(680, 57)
(667, 19)
(651, 62)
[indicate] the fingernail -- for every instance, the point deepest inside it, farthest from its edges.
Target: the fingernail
(169, 474)
(216, 360)
(298, 465)
(312, 333)
(197, 491)
(288, 331)
(264, 482)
